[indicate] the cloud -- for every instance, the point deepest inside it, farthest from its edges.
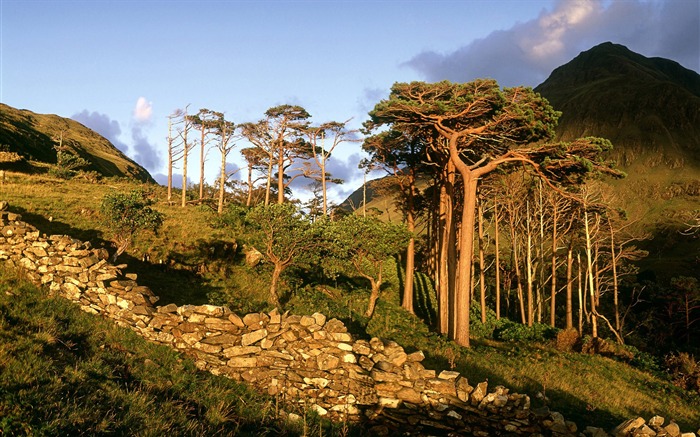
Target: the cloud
(526, 53)
(143, 111)
(103, 125)
(145, 153)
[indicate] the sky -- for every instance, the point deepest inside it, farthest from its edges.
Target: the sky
(121, 67)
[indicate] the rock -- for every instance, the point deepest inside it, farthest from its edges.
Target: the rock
(253, 337)
(627, 427)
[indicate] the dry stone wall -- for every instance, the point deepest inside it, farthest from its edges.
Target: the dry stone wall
(305, 359)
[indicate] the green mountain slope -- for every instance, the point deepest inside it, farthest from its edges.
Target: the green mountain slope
(34, 136)
(650, 109)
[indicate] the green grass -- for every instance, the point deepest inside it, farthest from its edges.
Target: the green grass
(589, 389)
(65, 372)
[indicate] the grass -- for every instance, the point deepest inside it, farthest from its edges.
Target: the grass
(589, 389)
(65, 372)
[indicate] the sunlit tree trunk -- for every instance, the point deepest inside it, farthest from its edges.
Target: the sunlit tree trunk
(589, 271)
(497, 260)
(482, 264)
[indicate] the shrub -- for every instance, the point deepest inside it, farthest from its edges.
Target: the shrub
(567, 339)
(684, 370)
(508, 330)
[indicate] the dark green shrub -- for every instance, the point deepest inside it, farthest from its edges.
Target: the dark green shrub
(508, 330)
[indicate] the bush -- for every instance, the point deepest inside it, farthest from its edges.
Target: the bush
(508, 330)
(684, 371)
(567, 339)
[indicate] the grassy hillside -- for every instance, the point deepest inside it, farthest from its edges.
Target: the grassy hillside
(65, 372)
(34, 136)
(203, 263)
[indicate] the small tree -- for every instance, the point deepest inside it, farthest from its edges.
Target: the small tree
(361, 245)
(127, 214)
(284, 236)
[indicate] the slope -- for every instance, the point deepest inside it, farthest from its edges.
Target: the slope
(34, 136)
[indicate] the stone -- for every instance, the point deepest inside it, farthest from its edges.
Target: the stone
(656, 421)
(236, 351)
(242, 362)
(479, 393)
(409, 395)
(327, 361)
(626, 427)
(415, 356)
(319, 319)
(253, 337)
(672, 429)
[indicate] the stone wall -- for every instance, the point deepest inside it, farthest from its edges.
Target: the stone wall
(304, 359)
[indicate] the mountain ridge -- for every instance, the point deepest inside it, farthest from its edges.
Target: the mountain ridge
(34, 136)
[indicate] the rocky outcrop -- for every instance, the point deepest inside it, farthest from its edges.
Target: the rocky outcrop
(299, 358)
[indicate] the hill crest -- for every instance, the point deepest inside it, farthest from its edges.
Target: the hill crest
(34, 136)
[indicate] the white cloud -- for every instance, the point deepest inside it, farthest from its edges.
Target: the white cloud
(526, 53)
(143, 110)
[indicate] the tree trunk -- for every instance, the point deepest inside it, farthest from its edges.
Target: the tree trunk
(222, 182)
(374, 296)
(580, 295)
(323, 186)
(528, 267)
(201, 163)
(553, 289)
(498, 263)
(616, 302)
(569, 286)
(446, 259)
(280, 172)
(269, 181)
(589, 271)
(482, 263)
(274, 297)
(466, 251)
(249, 200)
(407, 302)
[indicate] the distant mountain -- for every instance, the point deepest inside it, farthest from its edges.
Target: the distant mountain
(648, 107)
(34, 136)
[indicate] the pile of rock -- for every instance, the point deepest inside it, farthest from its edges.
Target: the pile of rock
(305, 359)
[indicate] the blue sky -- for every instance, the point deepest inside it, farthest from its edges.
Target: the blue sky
(122, 66)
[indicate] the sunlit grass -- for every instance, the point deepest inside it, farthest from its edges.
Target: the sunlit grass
(591, 390)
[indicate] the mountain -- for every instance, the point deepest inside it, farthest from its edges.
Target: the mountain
(648, 107)
(34, 136)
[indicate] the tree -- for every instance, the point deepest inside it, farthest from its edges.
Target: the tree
(174, 151)
(286, 124)
(483, 128)
(336, 133)
(262, 155)
(284, 236)
(401, 154)
(187, 124)
(225, 132)
(127, 214)
(361, 245)
(205, 121)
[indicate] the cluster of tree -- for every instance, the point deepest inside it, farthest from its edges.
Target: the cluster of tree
(284, 146)
(459, 136)
(496, 211)
(352, 245)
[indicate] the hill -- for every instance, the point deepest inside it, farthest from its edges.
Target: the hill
(198, 271)
(33, 136)
(650, 109)
(645, 106)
